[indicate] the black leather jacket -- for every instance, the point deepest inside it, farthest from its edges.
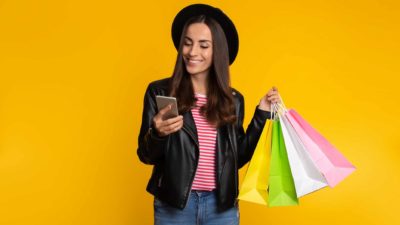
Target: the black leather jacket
(175, 156)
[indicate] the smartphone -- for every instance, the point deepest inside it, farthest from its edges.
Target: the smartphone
(163, 101)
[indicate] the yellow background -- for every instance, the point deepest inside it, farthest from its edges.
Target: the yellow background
(73, 75)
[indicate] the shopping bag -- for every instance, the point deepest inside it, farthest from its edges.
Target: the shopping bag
(282, 191)
(330, 162)
(255, 183)
(306, 175)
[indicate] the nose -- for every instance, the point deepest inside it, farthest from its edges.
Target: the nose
(194, 50)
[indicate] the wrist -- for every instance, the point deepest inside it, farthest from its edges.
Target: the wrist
(154, 133)
(264, 108)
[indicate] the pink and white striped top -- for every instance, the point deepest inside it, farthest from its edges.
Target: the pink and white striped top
(205, 178)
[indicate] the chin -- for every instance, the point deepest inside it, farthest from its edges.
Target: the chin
(192, 71)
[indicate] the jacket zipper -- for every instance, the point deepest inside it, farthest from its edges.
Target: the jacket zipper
(197, 162)
(236, 167)
(236, 175)
(160, 180)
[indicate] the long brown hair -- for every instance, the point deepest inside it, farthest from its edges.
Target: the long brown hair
(220, 108)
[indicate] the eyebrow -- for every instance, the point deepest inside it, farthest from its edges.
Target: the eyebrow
(204, 40)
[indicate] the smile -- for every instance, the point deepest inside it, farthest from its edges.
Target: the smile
(194, 62)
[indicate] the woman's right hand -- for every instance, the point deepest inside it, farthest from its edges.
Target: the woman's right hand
(168, 126)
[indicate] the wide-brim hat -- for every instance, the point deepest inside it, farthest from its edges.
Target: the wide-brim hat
(227, 25)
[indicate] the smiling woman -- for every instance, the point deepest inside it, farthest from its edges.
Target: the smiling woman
(197, 155)
(197, 49)
(201, 37)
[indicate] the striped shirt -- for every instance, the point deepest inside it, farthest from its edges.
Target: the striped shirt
(205, 177)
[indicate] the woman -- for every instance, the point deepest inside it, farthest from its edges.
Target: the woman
(196, 155)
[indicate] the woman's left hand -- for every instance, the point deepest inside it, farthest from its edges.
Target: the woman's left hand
(271, 97)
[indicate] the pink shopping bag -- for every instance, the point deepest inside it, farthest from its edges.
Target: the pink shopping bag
(331, 163)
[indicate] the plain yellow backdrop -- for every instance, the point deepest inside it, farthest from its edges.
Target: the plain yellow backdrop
(73, 76)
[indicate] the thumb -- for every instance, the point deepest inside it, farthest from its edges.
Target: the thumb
(165, 109)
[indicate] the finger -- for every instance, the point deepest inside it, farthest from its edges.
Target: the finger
(179, 127)
(274, 98)
(272, 91)
(174, 127)
(165, 109)
(275, 101)
(156, 121)
(172, 120)
(275, 94)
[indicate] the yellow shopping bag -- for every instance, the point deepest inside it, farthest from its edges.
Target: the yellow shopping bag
(255, 184)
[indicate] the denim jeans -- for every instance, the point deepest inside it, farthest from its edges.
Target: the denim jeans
(201, 209)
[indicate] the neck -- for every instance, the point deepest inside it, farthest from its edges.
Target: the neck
(200, 83)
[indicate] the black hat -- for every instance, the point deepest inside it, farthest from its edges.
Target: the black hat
(227, 25)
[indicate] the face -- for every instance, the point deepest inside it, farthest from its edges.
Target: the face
(197, 49)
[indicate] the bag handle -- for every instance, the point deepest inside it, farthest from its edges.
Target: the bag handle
(282, 103)
(278, 109)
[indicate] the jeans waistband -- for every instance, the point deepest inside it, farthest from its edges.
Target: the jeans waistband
(203, 192)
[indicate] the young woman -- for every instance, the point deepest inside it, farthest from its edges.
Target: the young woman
(196, 155)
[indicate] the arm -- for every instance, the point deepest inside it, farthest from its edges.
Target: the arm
(247, 141)
(151, 147)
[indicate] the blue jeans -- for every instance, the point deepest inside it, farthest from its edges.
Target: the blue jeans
(200, 209)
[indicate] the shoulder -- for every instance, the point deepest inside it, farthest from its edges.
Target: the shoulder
(162, 84)
(156, 87)
(239, 102)
(237, 95)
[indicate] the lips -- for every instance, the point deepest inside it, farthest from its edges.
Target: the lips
(194, 62)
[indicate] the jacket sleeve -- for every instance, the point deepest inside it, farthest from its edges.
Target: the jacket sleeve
(247, 141)
(151, 147)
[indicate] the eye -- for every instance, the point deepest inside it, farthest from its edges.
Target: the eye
(204, 46)
(186, 44)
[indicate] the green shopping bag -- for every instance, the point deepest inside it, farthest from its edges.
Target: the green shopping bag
(282, 191)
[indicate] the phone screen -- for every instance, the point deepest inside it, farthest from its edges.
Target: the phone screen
(163, 101)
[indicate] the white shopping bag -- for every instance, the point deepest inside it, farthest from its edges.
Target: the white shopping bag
(307, 177)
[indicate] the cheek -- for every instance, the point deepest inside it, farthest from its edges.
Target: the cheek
(185, 50)
(208, 55)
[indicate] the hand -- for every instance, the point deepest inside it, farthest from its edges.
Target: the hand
(271, 97)
(168, 126)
